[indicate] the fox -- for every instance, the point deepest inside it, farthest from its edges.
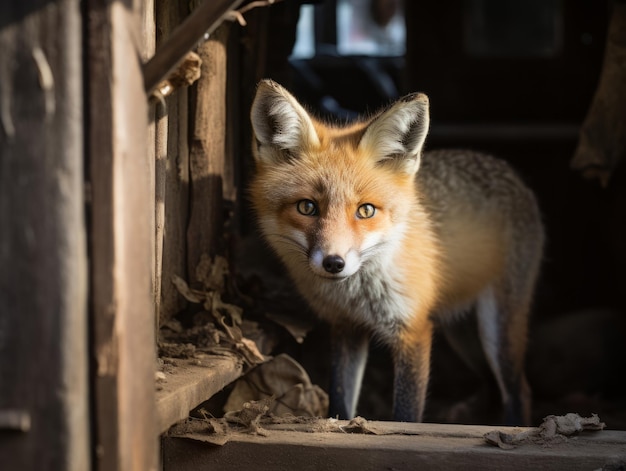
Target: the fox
(386, 242)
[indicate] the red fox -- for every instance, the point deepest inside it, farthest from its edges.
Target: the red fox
(383, 241)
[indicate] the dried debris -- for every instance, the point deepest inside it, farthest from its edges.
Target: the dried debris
(255, 418)
(569, 424)
(250, 415)
(284, 380)
(218, 431)
(554, 429)
(361, 425)
(218, 328)
(207, 429)
(177, 350)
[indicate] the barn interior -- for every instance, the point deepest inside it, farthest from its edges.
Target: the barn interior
(141, 313)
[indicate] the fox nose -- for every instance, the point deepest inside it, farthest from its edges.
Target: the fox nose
(333, 263)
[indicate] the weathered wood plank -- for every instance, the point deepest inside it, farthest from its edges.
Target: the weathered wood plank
(207, 152)
(148, 46)
(44, 417)
(406, 447)
(172, 169)
(188, 385)
(121, 248)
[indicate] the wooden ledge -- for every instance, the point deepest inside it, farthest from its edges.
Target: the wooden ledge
(190, 382)
(401, 446)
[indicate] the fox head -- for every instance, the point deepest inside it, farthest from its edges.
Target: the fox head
(329, 199)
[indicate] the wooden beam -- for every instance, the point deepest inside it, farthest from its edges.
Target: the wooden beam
(44, 416)
(121, 233)
(400, 446)
(203, 20)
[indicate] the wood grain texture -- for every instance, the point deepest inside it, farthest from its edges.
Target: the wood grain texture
(43, 255)
(399, 446)
(207, 152)
(172, 169)
(121, 248)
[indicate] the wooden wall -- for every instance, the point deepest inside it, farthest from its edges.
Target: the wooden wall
(202, 149)
(43, 253)
(105, 194)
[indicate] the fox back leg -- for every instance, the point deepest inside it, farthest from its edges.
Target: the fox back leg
(503, 311)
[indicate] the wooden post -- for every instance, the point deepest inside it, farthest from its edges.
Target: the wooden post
(148, 47)
(121, 233)
(172, 181)
(207, 152)
(44, 417)
(160, 155)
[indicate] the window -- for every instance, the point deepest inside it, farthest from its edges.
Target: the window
(370, 27)
(363, 27)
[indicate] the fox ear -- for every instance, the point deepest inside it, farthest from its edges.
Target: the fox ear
(279, 121)
(397, 135)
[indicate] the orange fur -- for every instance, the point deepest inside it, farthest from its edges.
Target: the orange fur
(445, 233)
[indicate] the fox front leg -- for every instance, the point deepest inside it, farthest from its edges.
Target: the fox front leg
(349, 349)
(411, 371)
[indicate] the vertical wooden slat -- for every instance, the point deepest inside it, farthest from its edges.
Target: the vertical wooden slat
(121, 234)
(43, 306)
(160, 144)
(207, 152)
(172, 174)
(160, 156)
(148, 47)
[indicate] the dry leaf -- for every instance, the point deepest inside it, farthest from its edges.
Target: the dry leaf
(184, 289)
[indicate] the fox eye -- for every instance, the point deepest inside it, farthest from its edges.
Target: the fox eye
(307, 207)
(365, 211)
